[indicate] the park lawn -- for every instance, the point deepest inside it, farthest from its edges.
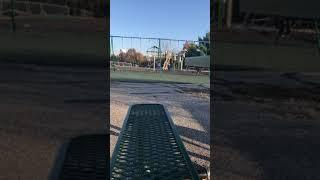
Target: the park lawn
(163, 77)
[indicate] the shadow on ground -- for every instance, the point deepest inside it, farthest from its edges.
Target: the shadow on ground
(279, 145)
(202, 137)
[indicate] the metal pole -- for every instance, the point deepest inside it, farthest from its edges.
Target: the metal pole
(1, 5)
(159, 53)
(219, 14)
(174, 61)
(13, 23)
(112, 50)
(229, 13)
(122, 42)
(27, 6)
(154, 63)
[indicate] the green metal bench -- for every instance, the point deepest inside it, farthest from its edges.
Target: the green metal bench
(149, 147)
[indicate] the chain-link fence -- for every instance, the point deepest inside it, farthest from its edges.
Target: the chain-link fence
(154, 54)
(47, 7)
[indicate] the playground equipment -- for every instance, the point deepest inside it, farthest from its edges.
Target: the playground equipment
(173, 59)
(168, 60)
(153, 50)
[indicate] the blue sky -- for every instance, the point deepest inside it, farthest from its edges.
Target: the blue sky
(174, 19)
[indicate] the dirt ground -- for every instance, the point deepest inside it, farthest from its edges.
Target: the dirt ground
(188, 104)
(42, 107)
(266, 125)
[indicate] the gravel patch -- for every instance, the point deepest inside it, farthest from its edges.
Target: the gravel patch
(189, 111)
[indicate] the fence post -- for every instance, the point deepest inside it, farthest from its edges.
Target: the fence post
(159, 53)
(28, 9)
(13, 23)
(229, 13)
(42, 11)
(1, 6)
(112, 50)
(219, 8)
(154, 63)
(68, 10)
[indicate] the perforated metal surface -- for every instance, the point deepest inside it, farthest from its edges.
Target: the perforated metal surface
(149, 147)
(86, 159)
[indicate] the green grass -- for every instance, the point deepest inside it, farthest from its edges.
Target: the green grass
(163, 77)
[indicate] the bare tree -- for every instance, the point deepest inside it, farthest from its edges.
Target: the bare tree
(122, 57)
(131, 56)
(141, 59)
